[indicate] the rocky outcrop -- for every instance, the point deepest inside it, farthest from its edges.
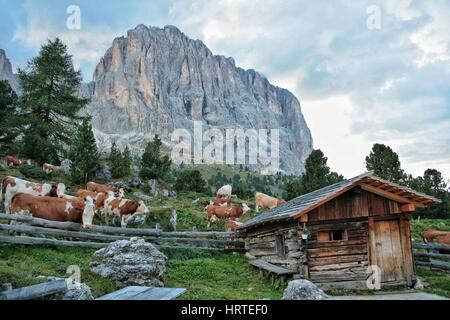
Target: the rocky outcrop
(131, 262)
(156, 80)
(302, 289)
(6, 72)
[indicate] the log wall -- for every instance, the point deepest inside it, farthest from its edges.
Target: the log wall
(264, 245)
(343, 260)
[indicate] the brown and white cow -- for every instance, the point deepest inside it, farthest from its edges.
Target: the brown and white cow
(98, 188)
(264, 201)
(232, 225)
(11, 161)
(431, 235)
(99, 199)
(229, 212)
(220, 202)
(11, 186)
(55, 209)
(123, 208)
(48, 168)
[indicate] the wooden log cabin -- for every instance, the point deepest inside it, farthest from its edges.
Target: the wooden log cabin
(331, 236)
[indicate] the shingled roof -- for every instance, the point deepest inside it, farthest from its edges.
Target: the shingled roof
(307, 202)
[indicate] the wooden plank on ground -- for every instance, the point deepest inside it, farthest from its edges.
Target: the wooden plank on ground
(35, 291)
(144, 293)
(431, 246)
(261, 264)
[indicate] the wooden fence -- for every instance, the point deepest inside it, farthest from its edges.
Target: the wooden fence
(432, 255)
(35, 231)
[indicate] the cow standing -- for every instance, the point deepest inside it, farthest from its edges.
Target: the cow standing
(48, 168)
(230, 212)
(264, 201)
(11, 161)
(99, 188)
(123, 208)
(99, 199)
(11, 186)
(55, 209)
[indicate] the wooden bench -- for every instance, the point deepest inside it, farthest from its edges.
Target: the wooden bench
(272, 270)
(144, 293)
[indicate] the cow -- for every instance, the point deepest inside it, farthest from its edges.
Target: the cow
(11, 161)
(123, 208)
(230, 212)
(220, 202)
(437, 236)
(12, 186)
(48, 168)
(55, 209)
(99, 199)
(232, 225)
(264, 201)
(224, 192)
(98, 188)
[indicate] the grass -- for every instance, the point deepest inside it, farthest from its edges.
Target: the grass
(206, 275)
(219, 277)
(20, 266)
(439, 282)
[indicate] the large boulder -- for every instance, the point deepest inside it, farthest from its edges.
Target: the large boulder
(302, 289)
(131, 262)
(157, 190)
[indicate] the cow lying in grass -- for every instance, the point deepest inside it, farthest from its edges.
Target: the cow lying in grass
(437, 236)
(11, 161)
(55, 209)
(229, 212)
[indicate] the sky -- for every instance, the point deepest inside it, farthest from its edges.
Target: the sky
(365, 72)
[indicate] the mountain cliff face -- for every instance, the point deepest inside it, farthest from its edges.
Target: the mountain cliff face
(155, 80)
(6, 72)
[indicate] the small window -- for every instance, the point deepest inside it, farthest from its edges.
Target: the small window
(332, 235)
(279, 242)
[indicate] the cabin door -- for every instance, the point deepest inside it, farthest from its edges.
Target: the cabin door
(390, 250)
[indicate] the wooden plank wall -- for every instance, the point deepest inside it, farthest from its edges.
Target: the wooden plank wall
(344, 260)
(352, 204)
(264, 246)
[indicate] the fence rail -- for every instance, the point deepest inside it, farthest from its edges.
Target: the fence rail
(44, 232)
(432, 255)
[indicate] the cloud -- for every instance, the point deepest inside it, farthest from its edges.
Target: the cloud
(396, 79)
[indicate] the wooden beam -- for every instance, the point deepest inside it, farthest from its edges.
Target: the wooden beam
(409, 207)
(35, 291)
(391, 195)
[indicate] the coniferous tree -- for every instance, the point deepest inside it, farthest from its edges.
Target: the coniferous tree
(317, 175)
(49, 103)
(385, 163)
(154, 165)
(9, 119)
(116, 161)
(127, 161)
(83, 154)
(190, 180)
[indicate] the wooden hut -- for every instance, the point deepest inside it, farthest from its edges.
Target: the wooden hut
(332, 235)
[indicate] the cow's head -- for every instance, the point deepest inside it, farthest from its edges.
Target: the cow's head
(88, 213)
(142, 208)
(121, 193)
(60, 189)
(245, 208)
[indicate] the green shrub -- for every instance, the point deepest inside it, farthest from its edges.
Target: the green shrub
(32, 172)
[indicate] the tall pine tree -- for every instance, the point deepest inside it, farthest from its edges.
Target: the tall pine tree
(317, 175)
(83, 154)
(154, 165)
(385, 163)
(49, 102)
(127, 161)
(9, 119)
(116, 161)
